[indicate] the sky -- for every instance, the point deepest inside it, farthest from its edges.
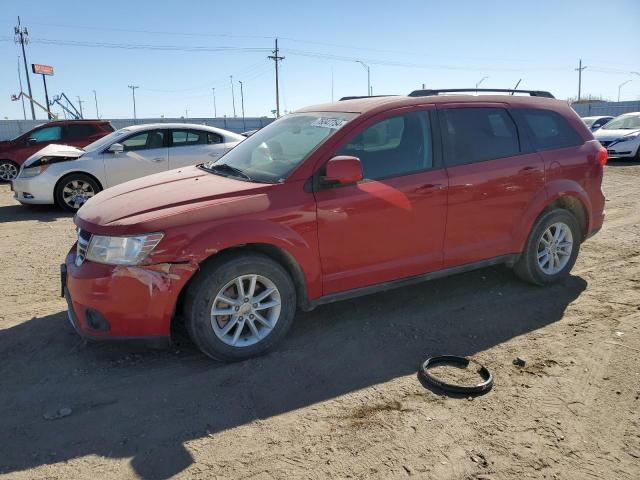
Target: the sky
(176, 52)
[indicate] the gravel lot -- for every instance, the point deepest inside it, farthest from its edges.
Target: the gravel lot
(340, 397)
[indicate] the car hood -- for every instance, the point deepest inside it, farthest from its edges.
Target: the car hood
(609, 135)
(53, 150)
(169, 199)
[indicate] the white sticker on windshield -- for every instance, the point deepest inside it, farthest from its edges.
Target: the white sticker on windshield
(327, 122)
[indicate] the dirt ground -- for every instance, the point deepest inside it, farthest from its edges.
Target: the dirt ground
(340, 398)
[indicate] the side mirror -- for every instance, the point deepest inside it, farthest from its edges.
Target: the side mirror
(116, 148)
(31, 141)
(343, 170)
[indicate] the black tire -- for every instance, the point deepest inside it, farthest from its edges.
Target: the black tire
(77, 177)
(214, 276)
(8, 171)
(528, 268)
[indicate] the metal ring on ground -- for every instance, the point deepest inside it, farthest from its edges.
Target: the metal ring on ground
(460, 362)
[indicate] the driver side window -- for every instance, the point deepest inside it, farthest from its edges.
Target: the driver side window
(47, 134)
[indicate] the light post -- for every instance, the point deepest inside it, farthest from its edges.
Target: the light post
(133, 91)
(215, 111)
(244, 126)
(366, 67)
(233, 97)
(478, 83)
(620, 87)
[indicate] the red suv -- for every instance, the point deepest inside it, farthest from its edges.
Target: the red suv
(77, 133)
(331, 202)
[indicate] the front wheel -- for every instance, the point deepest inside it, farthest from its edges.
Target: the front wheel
(8, 171)
(551, 249)
(74, 190)
(240, 306)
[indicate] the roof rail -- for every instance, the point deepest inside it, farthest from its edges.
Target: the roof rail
(355, 97)
(428, 93)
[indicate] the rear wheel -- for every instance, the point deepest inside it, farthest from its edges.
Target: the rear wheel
(74, 190)
(551, 249)
(8, 170)
(239, 306)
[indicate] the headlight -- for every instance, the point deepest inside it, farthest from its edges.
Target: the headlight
(29, 172)
(626, 138)
(121, 250)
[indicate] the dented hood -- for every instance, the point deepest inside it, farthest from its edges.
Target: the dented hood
(165, 199)
(53, 150)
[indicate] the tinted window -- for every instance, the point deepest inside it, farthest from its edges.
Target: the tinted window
(550, 130)
(79, 131)
(193, 137)
(476, 134)
(398, 145)
(213, 138)
(144, 140)
(47, 134)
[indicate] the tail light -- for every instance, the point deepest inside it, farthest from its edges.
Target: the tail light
(603, 156)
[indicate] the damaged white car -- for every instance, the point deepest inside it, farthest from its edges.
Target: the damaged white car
(68, 176)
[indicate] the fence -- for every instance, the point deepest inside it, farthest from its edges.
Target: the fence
(605, 108)
(13, 128)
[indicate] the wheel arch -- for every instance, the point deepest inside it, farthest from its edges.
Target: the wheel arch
(77, 172)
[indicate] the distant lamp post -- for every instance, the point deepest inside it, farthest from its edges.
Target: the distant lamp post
(480, 82)
(620, 87)
(368, 69)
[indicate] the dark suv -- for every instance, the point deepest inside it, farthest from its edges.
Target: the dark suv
(336, 201)
(77, 133)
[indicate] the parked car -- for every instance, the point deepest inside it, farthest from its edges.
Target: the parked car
(594, 123)
(621, 136)
(331, 202)
(77, 133)
(69, 176)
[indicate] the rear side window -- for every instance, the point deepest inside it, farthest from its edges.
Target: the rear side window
(398, 145)
(473, 135)
(550, 130)
(193, 137)
(79, 131)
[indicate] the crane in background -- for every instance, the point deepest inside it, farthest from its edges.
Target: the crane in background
(15, 98)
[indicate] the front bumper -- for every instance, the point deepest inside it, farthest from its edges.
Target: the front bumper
(115, 302)
(623, 149)
(35, 190)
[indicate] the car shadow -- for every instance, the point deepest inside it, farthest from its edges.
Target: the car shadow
(41, 213)
(615, 162)
(128, 402)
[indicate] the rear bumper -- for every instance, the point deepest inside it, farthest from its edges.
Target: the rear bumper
(122, 303)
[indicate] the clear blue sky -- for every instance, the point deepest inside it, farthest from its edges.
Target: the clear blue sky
(406, 43)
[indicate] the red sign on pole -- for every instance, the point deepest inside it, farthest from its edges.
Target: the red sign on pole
(42, 69)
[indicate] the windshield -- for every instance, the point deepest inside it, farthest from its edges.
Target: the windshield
(270, 154)
(107, 140)
(589, 121)
(623, 122)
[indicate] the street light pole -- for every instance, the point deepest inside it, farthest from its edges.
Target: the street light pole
(244, 126)
(233, 97)
(478, 83)
(133, 91)
(366, 67)
(620, 86)
(215, 110)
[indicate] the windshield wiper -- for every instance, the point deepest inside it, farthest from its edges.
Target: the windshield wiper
(225, 167)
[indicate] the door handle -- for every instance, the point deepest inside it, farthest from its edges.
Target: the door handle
(158, 159)
(429, 186)
(526, 169)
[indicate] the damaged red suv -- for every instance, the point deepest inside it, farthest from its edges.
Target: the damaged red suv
(336, 201)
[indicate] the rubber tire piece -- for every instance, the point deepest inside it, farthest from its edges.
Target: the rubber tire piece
(11, 163)
(65, 180)
(210, 279)
(527, 267)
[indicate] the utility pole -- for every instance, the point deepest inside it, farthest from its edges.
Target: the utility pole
(620, 86)
(24, 112)
(80, 102)
(95, 98)
(276, 58)
(233, 97)
(22, 38)
(215, 109)
(244, 126)
(133, 91)
(366, 67)
(579, 70)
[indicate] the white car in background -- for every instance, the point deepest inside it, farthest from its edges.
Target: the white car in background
(68, 176)
(621, 136)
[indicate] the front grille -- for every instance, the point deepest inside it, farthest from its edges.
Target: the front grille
(83, 243)
(606, 143)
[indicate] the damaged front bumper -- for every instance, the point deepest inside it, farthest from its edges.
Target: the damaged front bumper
(122, 302)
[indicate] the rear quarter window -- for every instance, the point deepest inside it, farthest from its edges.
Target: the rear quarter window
(549, 130)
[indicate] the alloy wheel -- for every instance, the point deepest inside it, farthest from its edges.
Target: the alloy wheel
(554, 248)
(245, 310)
(8, 171)
(76, 193)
